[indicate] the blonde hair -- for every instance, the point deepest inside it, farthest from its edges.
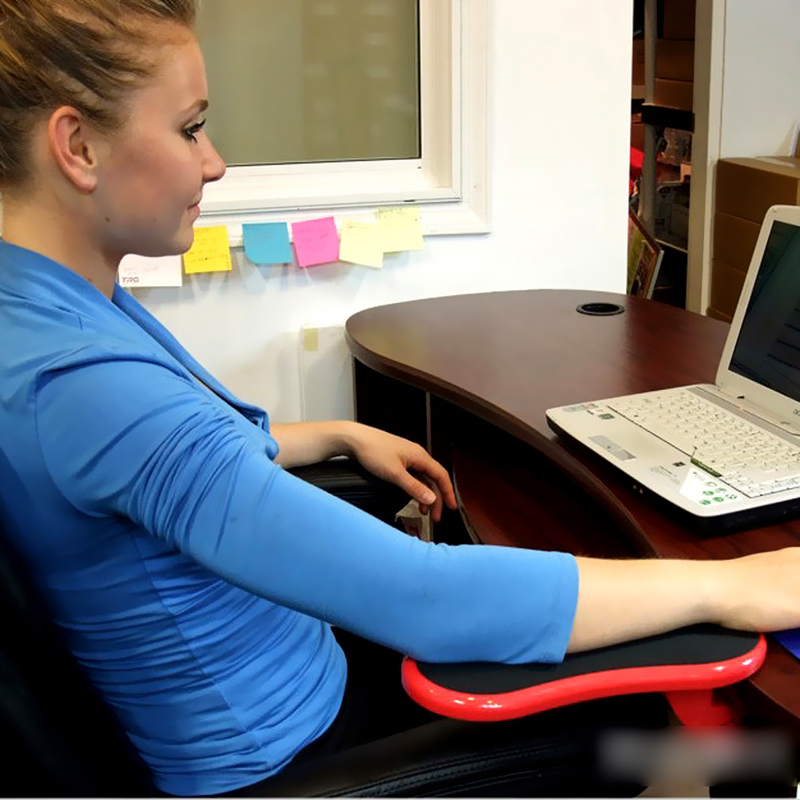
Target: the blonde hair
(84, 53)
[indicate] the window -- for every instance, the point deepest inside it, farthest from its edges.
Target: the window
(437, 103)
(322, 80)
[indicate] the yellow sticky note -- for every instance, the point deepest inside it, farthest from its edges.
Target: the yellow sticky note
(361, 243)
(210, 251)
(401, 228)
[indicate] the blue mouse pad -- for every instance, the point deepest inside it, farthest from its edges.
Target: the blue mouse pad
(790, 639)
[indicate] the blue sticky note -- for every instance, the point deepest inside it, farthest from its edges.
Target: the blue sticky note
(267, 243)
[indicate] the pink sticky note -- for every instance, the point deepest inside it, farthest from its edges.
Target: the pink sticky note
(316, 241)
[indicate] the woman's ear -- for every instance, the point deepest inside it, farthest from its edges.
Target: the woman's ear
(73, 145)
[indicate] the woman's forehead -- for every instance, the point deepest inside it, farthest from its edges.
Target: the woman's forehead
(179, 79)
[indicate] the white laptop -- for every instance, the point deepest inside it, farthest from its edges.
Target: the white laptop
(727, 454)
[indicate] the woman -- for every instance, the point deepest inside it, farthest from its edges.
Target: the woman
(195, 579)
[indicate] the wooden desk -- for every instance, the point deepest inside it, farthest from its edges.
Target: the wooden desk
(471, 376)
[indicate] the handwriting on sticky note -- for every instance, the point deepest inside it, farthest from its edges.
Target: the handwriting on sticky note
(361, 243)
(401, 228)
(267, 243)
(316, 241)
(210, 251)
(138, 272)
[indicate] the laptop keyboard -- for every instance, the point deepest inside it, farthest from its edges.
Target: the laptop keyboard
(744, 455)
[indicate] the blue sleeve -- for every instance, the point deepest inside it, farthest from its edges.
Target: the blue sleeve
(131, 437)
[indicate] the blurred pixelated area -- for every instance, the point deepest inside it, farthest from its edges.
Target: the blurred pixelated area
(684, 762)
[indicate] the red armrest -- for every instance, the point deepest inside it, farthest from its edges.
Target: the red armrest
(700, 657)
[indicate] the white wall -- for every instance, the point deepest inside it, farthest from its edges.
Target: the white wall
(560, 127)
(761, 92)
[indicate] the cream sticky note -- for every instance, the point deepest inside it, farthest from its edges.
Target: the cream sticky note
(138, 272)
(310, 338)
(210, 251)
(316, 241)
(361, 243)
(401, 228)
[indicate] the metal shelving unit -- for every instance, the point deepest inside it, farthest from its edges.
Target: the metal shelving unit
(656, 118)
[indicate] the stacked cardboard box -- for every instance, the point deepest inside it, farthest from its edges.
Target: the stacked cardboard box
(675, 56)
(678, 21)
(637, 68)
(746, 188)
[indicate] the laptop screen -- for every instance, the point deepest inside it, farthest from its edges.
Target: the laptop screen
(767, 349)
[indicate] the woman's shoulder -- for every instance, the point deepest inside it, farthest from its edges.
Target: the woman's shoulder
(40, 336)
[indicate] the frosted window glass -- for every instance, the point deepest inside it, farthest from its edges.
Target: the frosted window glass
(296, 81)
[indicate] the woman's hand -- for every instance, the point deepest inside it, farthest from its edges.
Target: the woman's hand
(759, 592)
(406, 464)
(389, 457)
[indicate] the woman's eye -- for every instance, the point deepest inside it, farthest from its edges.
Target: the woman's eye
(191, 132)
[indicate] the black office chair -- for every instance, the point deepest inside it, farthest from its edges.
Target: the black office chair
(60, 739)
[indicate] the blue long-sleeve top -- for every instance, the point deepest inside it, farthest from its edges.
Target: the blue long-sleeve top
(195, 579)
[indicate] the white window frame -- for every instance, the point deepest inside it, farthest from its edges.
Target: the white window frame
(449, 183)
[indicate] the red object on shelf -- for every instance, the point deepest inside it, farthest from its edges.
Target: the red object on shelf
(637, 159)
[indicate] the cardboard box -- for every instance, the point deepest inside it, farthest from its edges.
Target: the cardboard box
(747, 187)
(674, 94)
(675, 59)
(637, 135)
(637, 70)
(714, 314)
(678, 22)
(671, 213)
(734, 240)
(726, 286)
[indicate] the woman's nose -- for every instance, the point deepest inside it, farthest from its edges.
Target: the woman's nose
(213, 165)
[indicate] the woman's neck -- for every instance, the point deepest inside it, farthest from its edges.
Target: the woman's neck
(48, 233)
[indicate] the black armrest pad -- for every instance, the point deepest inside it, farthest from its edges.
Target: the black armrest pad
(349, 481)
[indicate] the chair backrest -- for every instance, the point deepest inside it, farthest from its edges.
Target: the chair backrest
(59, 737)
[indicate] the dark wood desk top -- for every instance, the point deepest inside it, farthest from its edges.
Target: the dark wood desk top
(508, 356)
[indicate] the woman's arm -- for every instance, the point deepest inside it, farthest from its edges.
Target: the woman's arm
(622, 600)
(390, 457)
(143, 444)
(304, 443)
